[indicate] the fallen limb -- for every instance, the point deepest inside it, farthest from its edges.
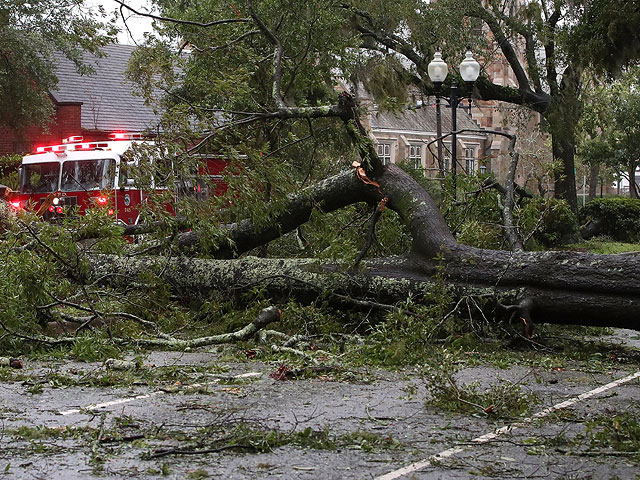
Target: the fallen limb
(266, 316)
(203, 451)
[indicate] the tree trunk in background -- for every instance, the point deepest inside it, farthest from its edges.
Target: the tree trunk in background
(563, 116)
(565, 178)
(594, 171)
(633, 187)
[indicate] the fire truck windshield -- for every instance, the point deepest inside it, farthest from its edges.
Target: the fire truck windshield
(40, 178)
(96, 174)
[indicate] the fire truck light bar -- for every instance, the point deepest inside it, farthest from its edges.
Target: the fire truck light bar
(125, 136)
(90, 146)
(72, 147)
(76, 142)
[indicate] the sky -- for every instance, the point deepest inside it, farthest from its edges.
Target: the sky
(138, 25)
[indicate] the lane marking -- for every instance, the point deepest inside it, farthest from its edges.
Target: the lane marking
(120, 401)
(414, 467)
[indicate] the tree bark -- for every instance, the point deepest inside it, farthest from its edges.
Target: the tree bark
(594, 173)
(553, 287)
(565, 178)
(633, 187)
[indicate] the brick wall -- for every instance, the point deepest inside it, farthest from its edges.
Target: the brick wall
(65, 123)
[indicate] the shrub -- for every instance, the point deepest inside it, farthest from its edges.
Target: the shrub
(619, 217)
(552, 219)
(9, 170)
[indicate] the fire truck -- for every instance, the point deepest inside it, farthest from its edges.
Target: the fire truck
(78, 175)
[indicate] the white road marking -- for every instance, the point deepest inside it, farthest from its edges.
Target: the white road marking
(414, 467)
(119, 401)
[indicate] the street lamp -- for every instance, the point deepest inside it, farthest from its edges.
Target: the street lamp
(469, 71)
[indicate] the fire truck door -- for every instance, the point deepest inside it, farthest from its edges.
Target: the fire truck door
(128, 198)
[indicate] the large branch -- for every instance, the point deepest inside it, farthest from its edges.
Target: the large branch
(329, 195)
(432, 239)
(124, 4)
(487, 90)
(505, 45)
(386, 280)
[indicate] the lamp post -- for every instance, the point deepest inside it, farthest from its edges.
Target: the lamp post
(469, 71)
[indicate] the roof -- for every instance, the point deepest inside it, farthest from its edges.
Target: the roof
(108, 100)
(421, 119)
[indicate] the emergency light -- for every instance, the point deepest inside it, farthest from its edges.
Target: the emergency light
(125, 136)
(76, 143)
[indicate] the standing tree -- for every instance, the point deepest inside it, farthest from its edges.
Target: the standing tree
(31, 34)
(547, 45)
(610, 126)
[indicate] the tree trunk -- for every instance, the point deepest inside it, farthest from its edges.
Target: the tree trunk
(594, 172)
(563, 116)
(549, 287)
(633, 187)
(565, 178)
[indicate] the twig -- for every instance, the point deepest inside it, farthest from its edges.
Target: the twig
(127, 438)
(268, 315)
(184, 451)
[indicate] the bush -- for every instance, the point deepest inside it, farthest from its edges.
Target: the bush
(619, 217)
(9, 170)
(478, 220)
(552, 219)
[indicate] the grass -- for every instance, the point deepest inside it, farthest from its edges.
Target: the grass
(605, 246)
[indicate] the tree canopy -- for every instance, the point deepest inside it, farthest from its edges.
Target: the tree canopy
(387, 49)
(610, 127)
(31, 34)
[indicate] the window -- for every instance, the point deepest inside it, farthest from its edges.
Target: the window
(469, 156)
(384, 152)
(483, 169)
(39, 178)
(415, 156)
(470, 166)
(87, 175)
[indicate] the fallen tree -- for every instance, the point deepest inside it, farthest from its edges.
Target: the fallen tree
(539, 287)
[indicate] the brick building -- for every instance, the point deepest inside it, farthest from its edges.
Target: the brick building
(408, 136)
(89, 105)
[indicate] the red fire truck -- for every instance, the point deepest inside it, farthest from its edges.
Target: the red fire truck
(79, 175)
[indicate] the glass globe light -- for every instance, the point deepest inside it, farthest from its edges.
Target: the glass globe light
(469, 68)
(437, 69)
